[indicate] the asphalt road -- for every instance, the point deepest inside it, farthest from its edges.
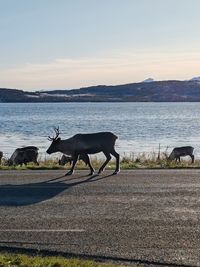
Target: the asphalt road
(145, 216)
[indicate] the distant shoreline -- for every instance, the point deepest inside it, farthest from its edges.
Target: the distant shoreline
(156, 91)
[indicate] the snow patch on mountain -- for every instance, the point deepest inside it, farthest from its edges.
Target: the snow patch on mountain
(195, 79)
(148, 80)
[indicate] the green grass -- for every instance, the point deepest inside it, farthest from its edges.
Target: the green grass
(142, 161)
(22, 260)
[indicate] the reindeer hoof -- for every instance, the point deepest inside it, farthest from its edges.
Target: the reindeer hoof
(69, 173)
(115, 172)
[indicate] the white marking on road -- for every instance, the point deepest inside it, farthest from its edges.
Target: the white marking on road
(42, 230)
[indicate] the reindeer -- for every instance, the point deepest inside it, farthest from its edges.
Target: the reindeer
(24, 155)
(66, 159)
(84, 144)
(1, 156)
(183, 151)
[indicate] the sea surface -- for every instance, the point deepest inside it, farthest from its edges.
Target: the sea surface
(141, 127)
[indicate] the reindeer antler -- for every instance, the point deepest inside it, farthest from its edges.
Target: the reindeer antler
(57, 134)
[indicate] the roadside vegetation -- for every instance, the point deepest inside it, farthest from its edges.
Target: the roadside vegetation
(142, 161)
(22, 260)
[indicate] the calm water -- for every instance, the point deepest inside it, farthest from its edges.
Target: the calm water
(140, 126)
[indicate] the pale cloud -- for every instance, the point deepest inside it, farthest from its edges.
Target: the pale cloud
(116, 69)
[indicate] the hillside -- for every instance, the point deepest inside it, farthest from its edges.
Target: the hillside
(154, 91)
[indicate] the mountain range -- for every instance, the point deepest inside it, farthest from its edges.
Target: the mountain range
(146, 91)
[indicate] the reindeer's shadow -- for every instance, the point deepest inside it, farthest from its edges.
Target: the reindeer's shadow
(33, 193)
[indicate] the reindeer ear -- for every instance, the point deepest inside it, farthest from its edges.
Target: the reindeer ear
(58, 139)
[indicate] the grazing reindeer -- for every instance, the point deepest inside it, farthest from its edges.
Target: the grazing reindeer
(178, 152)
(24, 155)
(1, 156)
(84, 144)
(66, 159)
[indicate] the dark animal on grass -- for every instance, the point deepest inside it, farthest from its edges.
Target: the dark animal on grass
(84, 144)
(179, 152)
(1, 156)
(24, 155)
(65, 159)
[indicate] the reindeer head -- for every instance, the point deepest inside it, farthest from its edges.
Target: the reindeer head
(55, 141)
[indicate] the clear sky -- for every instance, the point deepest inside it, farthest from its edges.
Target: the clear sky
(51, 44)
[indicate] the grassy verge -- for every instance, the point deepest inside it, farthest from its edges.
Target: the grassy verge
(22, 260)
(140, 162)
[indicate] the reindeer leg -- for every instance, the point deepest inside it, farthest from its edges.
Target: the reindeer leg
(36, 162)
(75, 158)
(192, 157)
(116, 155)
(86, 159)
(108, 158)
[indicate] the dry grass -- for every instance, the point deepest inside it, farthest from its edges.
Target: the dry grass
(127, 162)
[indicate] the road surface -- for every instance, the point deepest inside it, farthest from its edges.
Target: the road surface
(151, 217)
